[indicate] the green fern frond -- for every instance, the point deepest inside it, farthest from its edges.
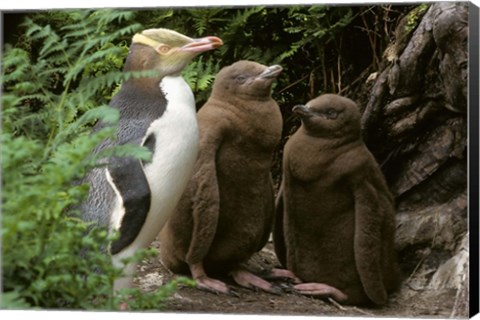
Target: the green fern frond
(16, 63)
(289, 53)
(52, 71)
(79, 32)
(33, 29)
(41, 97)
(203, 18)
(51, 44)
(39, 33)
(107, 16)
(16, 57)
(9, 102)
(128, 30)
(101, 82)
(100, 55)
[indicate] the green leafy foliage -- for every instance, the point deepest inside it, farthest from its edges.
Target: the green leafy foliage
(51, 97)
(414, 17)
(199, 74)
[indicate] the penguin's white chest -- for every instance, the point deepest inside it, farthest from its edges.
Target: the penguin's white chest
(176, 149)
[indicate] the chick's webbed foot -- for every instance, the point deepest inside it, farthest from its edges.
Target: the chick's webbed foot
(211, 285)
(246, 279)
(203, 282)
(320, 290)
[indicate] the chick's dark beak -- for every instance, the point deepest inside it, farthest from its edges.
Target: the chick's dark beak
(301, 110)
(203, 44)
(271, 72)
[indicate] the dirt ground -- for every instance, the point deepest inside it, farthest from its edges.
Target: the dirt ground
(409, 301)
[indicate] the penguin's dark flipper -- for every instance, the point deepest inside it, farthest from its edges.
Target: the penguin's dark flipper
(206, 198)
(368, 240)
(278, 232)
(127, 177)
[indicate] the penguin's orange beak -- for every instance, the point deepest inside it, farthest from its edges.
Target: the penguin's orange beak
(203, 44)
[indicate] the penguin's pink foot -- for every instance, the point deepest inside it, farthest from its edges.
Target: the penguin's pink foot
(320, 290)
(206, 283)
(212, 285)
(246, 279)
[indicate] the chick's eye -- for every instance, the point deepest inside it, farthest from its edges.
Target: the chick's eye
(241, 78)
(331, 114)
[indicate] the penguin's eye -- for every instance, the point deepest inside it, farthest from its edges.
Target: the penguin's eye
(331, 114)
(240, 78)
(163, 49)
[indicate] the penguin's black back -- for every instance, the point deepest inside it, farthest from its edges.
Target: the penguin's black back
(140, 102)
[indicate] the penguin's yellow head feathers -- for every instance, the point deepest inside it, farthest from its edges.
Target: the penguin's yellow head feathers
(166, 50)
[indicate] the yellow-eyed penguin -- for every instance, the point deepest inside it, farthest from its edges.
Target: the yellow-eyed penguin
(158, 112)
(226, 213)
(335, 222)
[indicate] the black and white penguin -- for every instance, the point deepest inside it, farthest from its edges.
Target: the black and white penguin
(134, 197)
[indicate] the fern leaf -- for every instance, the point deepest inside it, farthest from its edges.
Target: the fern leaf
(83, 32)
(204, 81)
